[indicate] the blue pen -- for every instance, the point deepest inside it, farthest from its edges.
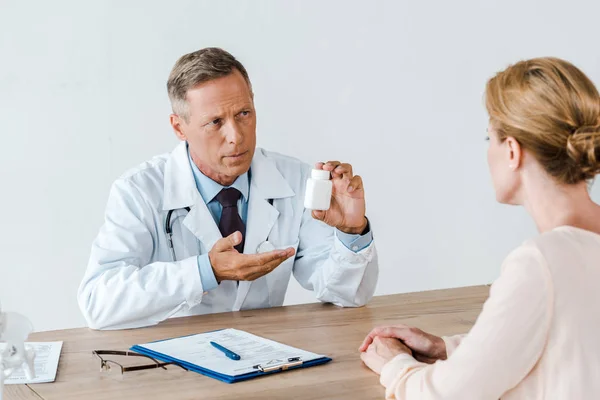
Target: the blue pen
(227, 352)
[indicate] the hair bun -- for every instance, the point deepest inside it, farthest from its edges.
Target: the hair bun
(583, 147)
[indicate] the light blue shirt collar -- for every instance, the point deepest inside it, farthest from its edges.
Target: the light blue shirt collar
(209, 189)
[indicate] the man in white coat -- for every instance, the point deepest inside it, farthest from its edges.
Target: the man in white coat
(219, 225)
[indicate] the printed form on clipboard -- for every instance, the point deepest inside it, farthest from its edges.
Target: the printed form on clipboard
(258, 356)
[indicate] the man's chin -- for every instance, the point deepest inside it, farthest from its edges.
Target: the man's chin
(237, 169)
(241, 161)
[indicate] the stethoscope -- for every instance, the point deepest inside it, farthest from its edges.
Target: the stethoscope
(169, 232)
(263, 247)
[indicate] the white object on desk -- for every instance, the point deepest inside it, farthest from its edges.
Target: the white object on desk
(45, 364)
(14, 355)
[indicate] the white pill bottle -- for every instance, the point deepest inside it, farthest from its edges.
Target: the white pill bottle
(318, 190)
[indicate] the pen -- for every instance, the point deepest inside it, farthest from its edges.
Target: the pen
(227, 352)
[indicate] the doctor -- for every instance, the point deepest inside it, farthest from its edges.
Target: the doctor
(235, 212)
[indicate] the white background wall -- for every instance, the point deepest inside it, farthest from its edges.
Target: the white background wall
(394, 87)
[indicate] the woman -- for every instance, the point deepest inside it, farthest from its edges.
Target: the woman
(538, 335)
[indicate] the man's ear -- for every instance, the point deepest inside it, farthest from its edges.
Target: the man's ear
(177, 124)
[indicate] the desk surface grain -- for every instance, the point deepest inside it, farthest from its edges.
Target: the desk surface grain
(320, 328)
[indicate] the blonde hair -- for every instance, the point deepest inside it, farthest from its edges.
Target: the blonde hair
(553, 110)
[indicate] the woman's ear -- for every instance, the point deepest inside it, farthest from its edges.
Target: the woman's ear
(514, 153)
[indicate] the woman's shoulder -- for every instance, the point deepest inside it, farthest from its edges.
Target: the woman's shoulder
(554, 246)
(564, 241)
(529, 253)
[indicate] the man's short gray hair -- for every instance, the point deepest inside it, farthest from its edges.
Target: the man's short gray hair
(198, 67)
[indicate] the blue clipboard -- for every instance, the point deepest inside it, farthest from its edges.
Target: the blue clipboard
(261, 370)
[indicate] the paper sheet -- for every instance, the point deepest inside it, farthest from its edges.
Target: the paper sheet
(45, 363)
(253, 350)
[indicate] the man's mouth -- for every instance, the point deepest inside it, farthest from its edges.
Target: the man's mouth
(237, 155)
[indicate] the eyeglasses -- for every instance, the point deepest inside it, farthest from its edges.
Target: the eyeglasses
(111, 366)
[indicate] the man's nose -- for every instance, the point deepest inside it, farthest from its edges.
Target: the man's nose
(234, 133)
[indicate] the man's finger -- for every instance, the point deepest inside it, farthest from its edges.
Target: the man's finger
(318, 215)
(253, 260)
(331, 165)
(289, 252)
(355, 184)
(256, 272)
(228, 243)
(344, 170)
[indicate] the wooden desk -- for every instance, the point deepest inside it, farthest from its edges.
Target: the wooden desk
(324, 329)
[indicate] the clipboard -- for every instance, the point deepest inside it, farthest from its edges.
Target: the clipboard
(266, 366)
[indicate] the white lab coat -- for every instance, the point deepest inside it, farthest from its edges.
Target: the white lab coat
(131, 280)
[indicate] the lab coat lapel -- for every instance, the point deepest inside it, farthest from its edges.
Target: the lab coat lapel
(266, 183)
(180, 191)
(201, 223)
(261, 218)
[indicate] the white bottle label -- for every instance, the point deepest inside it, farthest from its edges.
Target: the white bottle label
(318, 194)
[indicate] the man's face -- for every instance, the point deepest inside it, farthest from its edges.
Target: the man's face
(221, 128)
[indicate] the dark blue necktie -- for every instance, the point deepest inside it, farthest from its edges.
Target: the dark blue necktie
(230, 217)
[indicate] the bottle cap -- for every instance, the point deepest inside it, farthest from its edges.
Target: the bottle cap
(320, 174)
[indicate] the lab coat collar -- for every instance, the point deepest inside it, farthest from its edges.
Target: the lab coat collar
(179, 184)
(180, 187)
(266, 179)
